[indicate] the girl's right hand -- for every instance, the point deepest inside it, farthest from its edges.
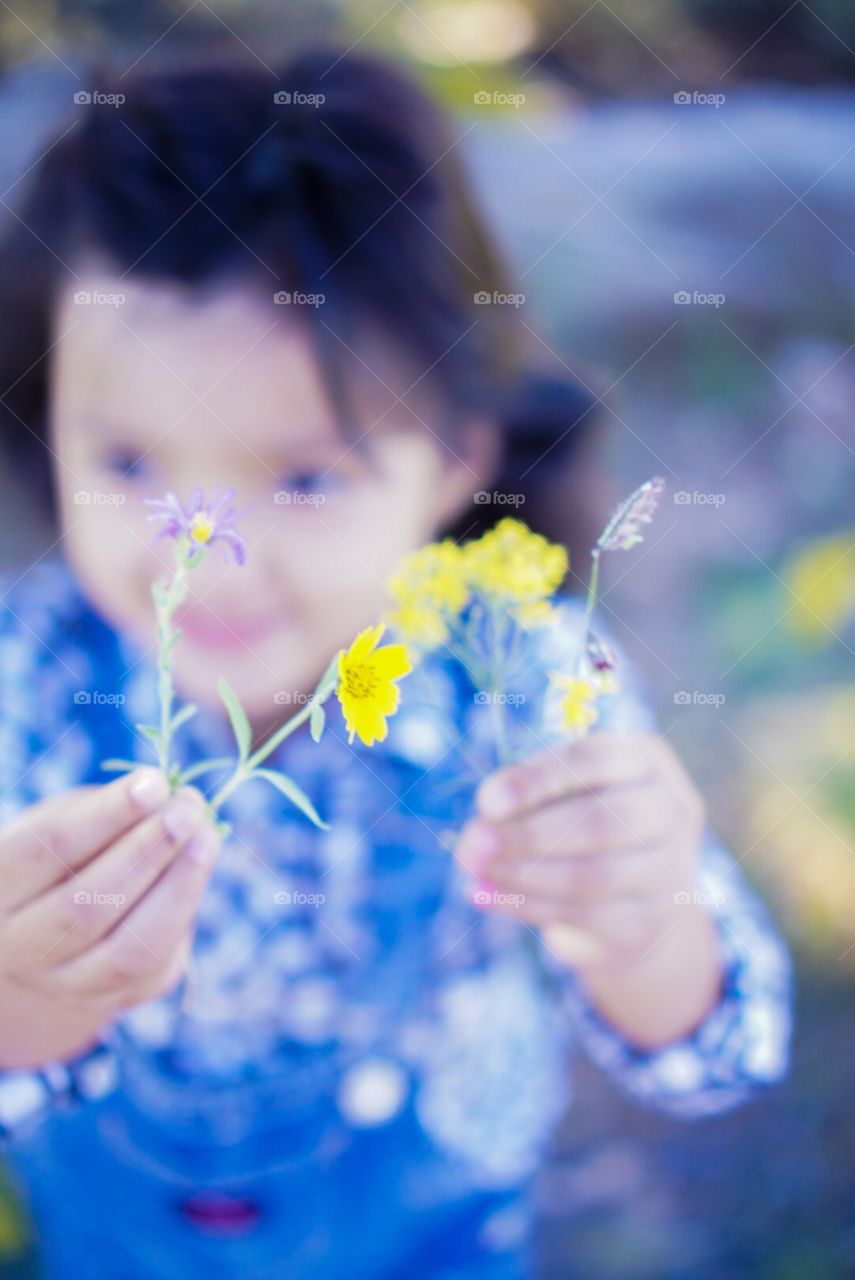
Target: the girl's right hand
(99, 888)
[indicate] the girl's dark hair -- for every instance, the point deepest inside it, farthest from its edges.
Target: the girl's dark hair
(340, 180)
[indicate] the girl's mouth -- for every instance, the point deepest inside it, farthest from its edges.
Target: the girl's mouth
(204, 628)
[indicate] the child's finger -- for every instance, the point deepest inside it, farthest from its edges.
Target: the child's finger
(73, 915)
(569, 880)
(140, 951)
(572, 946)
(614, 923)
(58, 836)
(589, 824)
(599, 761)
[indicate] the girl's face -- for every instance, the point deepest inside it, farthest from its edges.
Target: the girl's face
(165, 391)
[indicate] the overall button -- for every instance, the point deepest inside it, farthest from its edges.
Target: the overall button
(372, 1092)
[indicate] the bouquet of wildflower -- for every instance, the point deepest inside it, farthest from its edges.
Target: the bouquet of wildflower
(362, 677)
(479, 600)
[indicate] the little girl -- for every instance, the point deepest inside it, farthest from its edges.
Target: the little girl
(277, 288)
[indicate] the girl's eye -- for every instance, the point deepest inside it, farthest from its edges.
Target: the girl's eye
(308, 482)
(126, 464)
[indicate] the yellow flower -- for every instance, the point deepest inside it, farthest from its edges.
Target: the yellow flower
(577, 711)
(428, 587)
(420, 625)
(513, 564)
(822, 578)
(366, 684)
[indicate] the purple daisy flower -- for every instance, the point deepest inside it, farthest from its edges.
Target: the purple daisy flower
(203, 521)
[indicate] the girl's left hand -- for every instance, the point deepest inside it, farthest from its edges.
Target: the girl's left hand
(595, 842)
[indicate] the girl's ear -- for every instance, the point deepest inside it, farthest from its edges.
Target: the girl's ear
(468, 470)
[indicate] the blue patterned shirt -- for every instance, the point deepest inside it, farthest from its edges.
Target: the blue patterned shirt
(345, 971)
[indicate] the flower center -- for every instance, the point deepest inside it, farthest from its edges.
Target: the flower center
(201, 527)
(361, 681)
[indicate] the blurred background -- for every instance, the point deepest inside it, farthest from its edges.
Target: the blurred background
(673, 183)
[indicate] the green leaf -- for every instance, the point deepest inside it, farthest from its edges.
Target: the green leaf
(151, 731)
(237, 715)
(182, 716)
(170, 644)
(294, 793)
(317, 720)
(119, 766)
(206, 766)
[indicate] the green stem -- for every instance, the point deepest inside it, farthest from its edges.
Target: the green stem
(246, 768)
(590, 602)
(165, 607)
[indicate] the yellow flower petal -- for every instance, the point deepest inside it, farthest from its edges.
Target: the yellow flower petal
(577, 710)
(513, 564)
(365, 686)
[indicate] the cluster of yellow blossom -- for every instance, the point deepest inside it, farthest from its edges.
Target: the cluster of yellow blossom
(428, 588)
(510, 567)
